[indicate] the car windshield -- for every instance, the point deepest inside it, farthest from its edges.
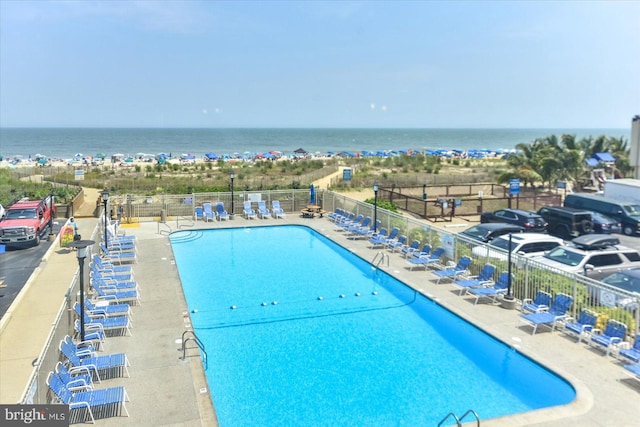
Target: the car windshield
(21, 213)
(475, 232)
(632, 209)
(624, 281)
(502, 244)
(564, 256)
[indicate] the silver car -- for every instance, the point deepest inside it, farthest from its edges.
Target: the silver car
(594, 255)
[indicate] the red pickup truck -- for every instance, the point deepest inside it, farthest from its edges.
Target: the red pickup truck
(26, 221)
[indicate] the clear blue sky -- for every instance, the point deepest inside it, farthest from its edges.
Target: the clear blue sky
(319, 64)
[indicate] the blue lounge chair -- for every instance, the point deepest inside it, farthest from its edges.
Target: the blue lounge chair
(398, 243)
(99, 403)
(459, 270)
(119, 325)
(332, 216)
(499, 288)
(410, 249)
(74, 378)
(392, 237)
(378, 239)
(248, 211)
(632, 353)
(93, 335)
(541, 302)
(422, 252)
(221, 212)
(633, 370)
(100, 367)
(118, 276)
(117, 297)
(119, 257)
(556, 313)
(581, 326)
(349, 222)
(110, 284)
(207, 210)
(354, 228)
(105, 267)
(198, 213)
(263, 212)
(483, 279)
(434, 259)
(364, 232)
(106, 309)
(612, 335)
(117, 246)
(277, 211)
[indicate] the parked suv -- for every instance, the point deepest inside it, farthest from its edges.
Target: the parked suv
(594, 255)
(627, 213)
(528, 244)
(567, 222)
(531, 221)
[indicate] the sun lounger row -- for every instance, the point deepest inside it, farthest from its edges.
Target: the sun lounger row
(74, 382)
(207, 212)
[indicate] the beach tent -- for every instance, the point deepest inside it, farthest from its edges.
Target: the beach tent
(301, 151)
(211, 156)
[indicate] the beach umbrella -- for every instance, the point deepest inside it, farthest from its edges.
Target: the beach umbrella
(312, 194)
(78, 155)
(101, 156)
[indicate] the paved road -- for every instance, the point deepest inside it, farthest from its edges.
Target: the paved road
(17, 265)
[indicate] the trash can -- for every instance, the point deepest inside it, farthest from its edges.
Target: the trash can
(163, 215)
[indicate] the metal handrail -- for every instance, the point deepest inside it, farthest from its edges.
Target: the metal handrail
(198, 342)
(475, 414)
(450, 414)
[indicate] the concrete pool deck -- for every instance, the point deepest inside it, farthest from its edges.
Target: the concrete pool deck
(165, 390)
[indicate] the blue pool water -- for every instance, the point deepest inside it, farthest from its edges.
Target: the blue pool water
(319, 337)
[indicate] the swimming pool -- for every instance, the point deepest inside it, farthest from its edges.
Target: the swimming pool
(301, 332)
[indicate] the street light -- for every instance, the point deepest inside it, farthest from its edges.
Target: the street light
(375, 207)
(105, 198)
(508, 300)
(232, 176)
(81, 254)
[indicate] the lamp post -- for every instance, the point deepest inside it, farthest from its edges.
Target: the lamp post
(508, 301)
(105, 198)
(375, 207)
(232, 176)
(81, 254)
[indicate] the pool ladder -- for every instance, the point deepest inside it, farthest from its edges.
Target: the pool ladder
(459, 420)
(195, 339)
(380, 258)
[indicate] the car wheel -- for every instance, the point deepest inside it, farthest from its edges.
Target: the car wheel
(628, 230)
(36, 241)
(586, 226)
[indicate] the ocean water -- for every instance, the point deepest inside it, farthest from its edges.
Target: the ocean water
(65, 143)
